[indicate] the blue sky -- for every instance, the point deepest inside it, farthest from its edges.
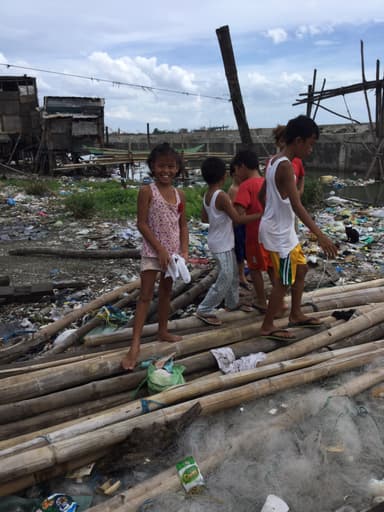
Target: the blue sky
(173, 45)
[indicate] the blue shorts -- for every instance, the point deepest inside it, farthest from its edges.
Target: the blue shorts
(239, 232)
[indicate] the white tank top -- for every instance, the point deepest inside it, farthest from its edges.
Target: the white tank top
(277, 227)
(220, 231)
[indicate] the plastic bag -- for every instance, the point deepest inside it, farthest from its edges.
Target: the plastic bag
(160, 379)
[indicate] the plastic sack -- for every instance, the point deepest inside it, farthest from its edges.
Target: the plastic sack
(160, 379)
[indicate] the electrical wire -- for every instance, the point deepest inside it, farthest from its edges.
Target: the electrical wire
(117, 82)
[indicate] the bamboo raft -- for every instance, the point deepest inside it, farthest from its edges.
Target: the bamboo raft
(70, 405)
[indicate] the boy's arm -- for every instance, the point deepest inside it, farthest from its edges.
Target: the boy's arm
(184, 233)
(204, 215)
(224, 203)
(262, 194)
(286, 184)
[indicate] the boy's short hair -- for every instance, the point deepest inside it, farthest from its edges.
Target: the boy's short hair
(301, 126)
(246, 157)
(164, 149)
(213, 169)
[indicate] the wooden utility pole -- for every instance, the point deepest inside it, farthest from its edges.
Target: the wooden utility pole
(225, 43)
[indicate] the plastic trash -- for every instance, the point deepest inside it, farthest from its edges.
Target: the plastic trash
(274, 504)
(57, 503)
(11, 201)
(189, 474)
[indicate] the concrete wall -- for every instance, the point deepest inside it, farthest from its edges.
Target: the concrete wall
(341, 149)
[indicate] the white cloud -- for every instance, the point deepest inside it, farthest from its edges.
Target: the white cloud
(167, 45)
(313, 30)
(278, 35)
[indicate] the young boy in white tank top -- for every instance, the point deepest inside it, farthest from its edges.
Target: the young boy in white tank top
(219, 211)
(277, 229)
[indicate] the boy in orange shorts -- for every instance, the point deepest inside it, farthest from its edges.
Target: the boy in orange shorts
(277, 228)
(247, 201)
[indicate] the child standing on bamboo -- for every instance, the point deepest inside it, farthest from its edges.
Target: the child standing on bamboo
(247, 201)
(239, 231)
(277, 229)
(162, 222)
(219, 211)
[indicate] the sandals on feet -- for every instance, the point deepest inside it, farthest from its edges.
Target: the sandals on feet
(280, 335)
(312, 323)
(208, 319)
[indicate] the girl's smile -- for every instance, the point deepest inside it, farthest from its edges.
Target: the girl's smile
(165, 168)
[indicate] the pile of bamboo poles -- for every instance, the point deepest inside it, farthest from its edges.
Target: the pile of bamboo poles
(62, 412)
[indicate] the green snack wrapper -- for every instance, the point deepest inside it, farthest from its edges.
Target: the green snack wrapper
(189, 474)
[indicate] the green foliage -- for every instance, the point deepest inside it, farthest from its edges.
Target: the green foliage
(106, 200)
(313, 194)
(82, 205)
(116, 202)
(194, 201)
(37, 188)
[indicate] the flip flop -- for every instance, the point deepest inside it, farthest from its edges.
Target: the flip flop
(274, 335)
(242, 307)
(245, 308)
(260, 309)
(246, 286)
(209, 319)
(312, 323)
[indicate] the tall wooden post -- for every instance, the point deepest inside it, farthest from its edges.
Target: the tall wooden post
(225, 43)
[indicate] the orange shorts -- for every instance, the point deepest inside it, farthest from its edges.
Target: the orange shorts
(285, 268)
(257, 257)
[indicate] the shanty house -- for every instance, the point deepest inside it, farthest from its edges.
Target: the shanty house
(70, 124)
(19, 116)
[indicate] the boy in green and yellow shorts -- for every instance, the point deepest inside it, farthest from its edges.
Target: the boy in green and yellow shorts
(277, 228)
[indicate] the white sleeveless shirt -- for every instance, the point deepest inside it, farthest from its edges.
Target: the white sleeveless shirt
(220, 231)
(277, 227)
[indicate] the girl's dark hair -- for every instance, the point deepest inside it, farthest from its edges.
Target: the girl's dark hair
(279, 133)
(213, 170)
(301, 126)
(164, 149)
(246, 157)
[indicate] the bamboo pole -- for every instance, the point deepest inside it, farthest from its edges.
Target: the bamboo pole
(86, 328)
(44, 381)
(209, 384)
(16, 466)
(17, 485)
(53, 417)
(132, 499)
(347, 299)
(191, 294)
(325, 338)
(76, 253)
(360, 383)
(11, 353)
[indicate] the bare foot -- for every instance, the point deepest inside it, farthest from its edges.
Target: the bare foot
(170, 338)
(130, 359)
